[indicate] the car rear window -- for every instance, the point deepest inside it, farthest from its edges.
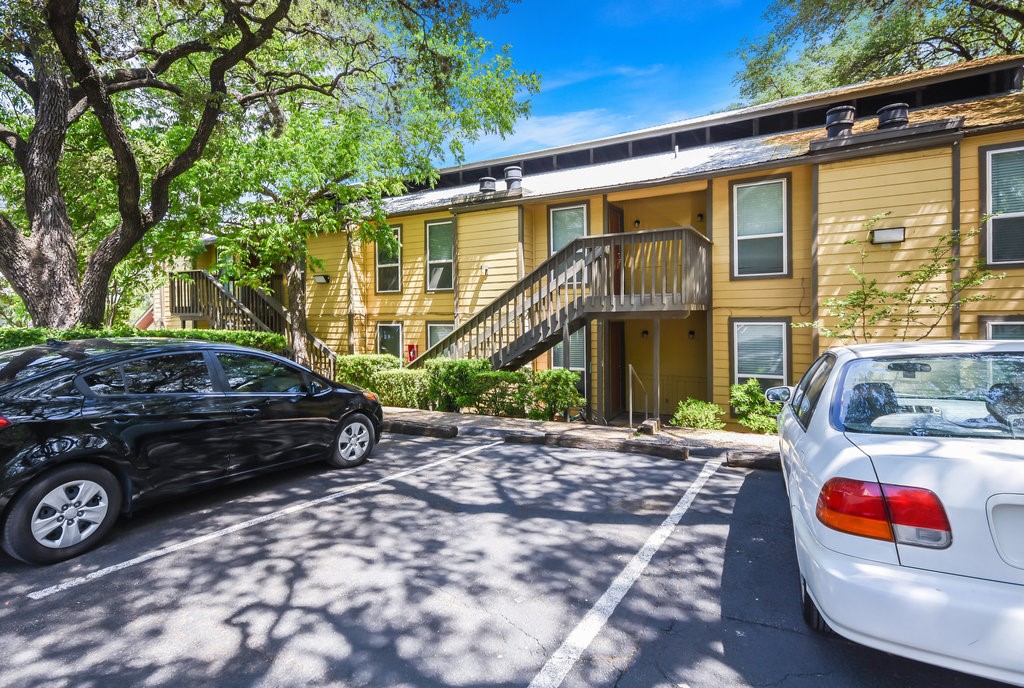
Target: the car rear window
(976, 395)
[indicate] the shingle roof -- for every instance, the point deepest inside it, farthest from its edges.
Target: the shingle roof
(731, 155)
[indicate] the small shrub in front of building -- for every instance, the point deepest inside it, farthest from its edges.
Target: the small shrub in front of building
(359, 369)
(694, 413)
(752, 409)
(554, 391)
(401, 387)
(451, 383)
(503, 393)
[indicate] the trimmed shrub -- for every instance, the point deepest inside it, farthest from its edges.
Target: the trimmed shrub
(553, 392)
(358, 369)
(694, 413)
(503, 393)
(401, 387)
(753, 410)
(451, 383)
(14, 337)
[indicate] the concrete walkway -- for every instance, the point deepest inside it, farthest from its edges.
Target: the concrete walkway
(758, 451)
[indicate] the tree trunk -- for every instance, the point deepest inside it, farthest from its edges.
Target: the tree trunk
(295, 278)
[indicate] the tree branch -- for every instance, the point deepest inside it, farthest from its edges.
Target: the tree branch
(20, 79)
(1001, 8)
(18, 146)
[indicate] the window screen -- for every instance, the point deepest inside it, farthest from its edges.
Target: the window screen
(389, 340)
(437, 332)
(389, 267)
(577, 352)
(760, 226)
(1006, 330)
(440, 255)
(760, 352)
(1006, 204)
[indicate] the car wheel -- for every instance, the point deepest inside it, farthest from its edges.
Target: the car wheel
(812, 617)
(62, 514)
(354, 442)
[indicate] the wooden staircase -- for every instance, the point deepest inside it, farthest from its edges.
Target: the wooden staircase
(197, 295)
(660, 271)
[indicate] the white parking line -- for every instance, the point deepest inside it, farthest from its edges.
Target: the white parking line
(558, 665)
(301, 506)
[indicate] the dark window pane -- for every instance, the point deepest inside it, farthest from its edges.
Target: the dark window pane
(759, 256)
(178, 374)
(257, 374)
(1009, 330)
(388, 279)
(440, 276)
(1007, 239)
(105, 381)
(389, 340)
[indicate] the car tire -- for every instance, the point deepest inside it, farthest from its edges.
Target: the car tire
(812, 616)
(354, 442)
(37, 529)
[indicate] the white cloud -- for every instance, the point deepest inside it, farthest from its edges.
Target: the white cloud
(548, 131)
(571, 78)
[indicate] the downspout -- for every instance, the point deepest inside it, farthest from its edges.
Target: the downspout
(955, 171)
(455, 269)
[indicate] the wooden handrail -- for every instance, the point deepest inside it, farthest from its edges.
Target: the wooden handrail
(658, 269)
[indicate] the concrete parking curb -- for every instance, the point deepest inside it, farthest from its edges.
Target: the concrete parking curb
(408, 427)
(752, 459)
(677, 452)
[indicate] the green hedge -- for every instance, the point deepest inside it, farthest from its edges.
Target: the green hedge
(14, 337)
(359, 369)
(451, 384)
(401, 387)
(694, 413)
(752, 409)
(554, 391)
(503, 393)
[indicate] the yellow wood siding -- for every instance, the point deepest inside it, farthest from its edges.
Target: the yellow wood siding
(488, 258)
(1008, 292)
(776, 298)
(916, 188)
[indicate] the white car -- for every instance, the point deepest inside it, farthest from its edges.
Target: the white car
(904, 465)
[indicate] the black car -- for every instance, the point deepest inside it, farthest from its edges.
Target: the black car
(94, 428)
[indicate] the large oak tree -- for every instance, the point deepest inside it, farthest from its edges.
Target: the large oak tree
(819, 44)
(127, 125)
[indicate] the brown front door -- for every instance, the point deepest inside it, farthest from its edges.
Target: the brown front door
(615, 226)
(616, 367)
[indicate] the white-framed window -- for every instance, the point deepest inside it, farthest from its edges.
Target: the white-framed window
(440, 255)
(760, 350)
(1005, 329)
(566, 223)
(760, 225)
(1005, 205)
(438, 331)
(577, 352)
(389, 267)
(389, 339)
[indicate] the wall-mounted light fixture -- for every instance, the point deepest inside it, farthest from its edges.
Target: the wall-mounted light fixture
(643, 335)
(700, 217)
(636, 224)
(891, 235)
(484, 269)
(691, 334)
(321, 279)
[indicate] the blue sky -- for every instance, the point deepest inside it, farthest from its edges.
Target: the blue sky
(609, 67)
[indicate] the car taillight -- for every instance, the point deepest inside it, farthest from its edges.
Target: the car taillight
(896, 513)
(4, 422)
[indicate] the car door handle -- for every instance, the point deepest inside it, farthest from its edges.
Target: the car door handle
(248, 412)
(121, 416)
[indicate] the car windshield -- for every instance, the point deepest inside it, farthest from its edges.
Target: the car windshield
(978, 395)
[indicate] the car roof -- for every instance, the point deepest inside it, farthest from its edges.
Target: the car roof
(54, 357)
(933, 348)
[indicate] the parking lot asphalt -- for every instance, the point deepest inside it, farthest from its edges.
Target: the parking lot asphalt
(459, 562)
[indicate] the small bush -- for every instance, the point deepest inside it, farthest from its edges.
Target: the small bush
(503, 393)
(451, 383)
(694, 413)
(14, 337)
(554, 391)
(358, 369)
(400, 387)
(753, 410)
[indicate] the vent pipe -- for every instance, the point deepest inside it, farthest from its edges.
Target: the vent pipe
(486, 184)
(514, 177)
(839, 120)
(892, 116)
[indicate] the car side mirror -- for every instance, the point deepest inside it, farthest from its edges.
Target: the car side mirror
(778, 395)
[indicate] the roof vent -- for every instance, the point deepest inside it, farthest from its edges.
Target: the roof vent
(486, 184)
(892, 116)
(514, 177)
(839, 120)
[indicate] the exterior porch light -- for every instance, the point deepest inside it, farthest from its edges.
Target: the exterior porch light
(321, 279)
(891, 235)
(636, 224)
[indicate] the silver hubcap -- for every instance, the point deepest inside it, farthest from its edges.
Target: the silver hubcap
(353, 441)
(69, 514)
